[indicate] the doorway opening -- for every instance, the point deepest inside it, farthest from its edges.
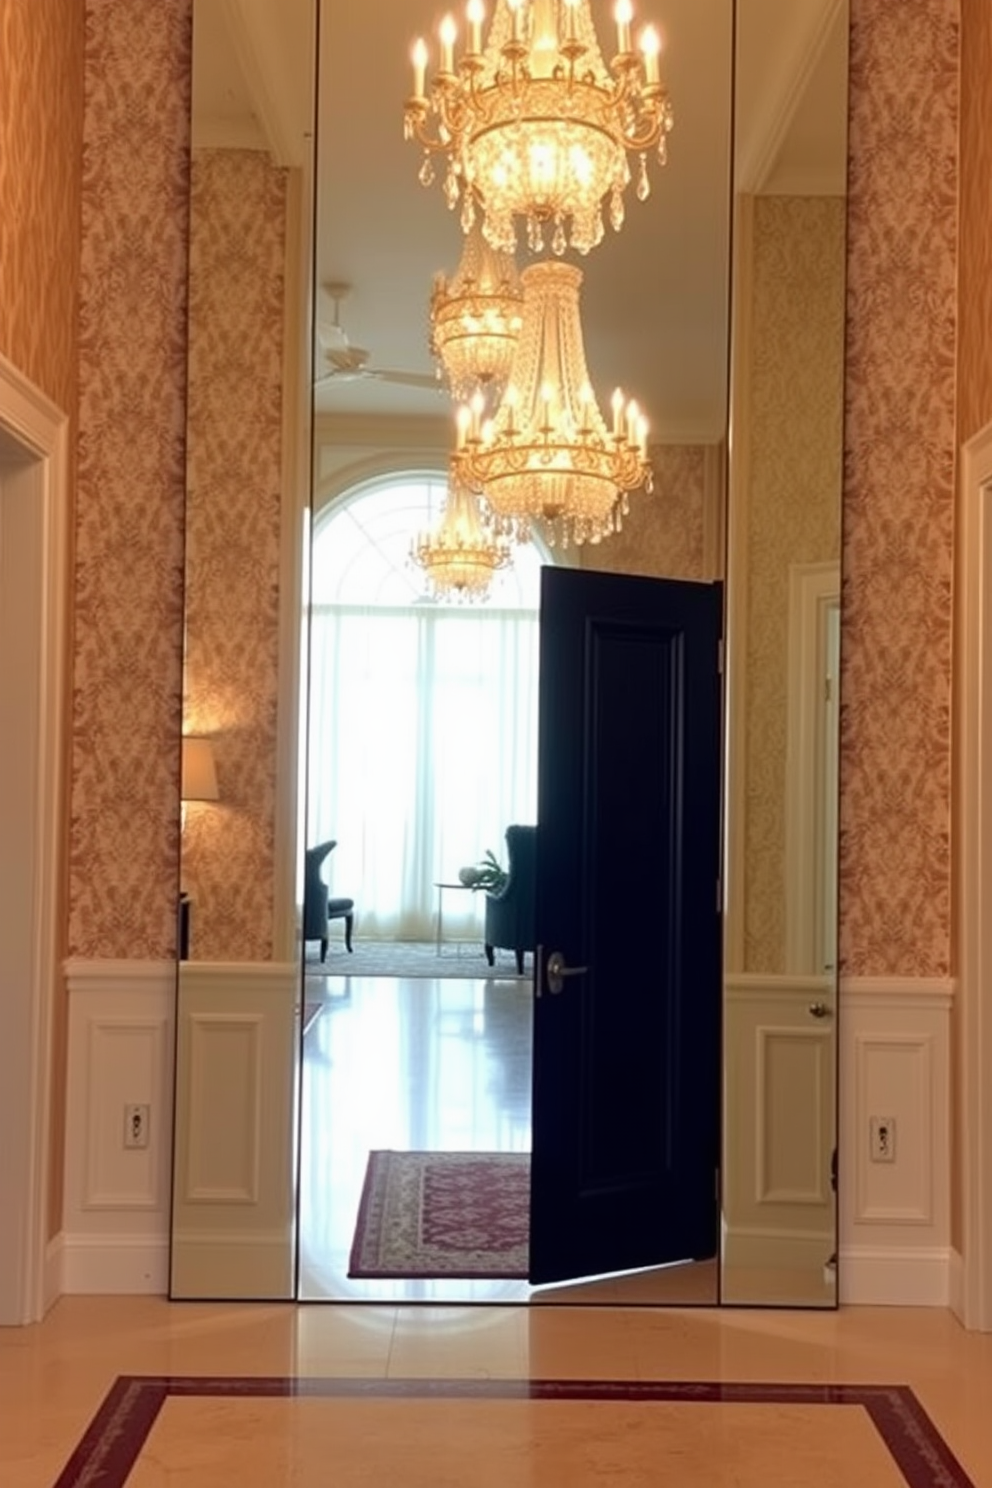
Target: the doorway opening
(422, 750)
(33, 511)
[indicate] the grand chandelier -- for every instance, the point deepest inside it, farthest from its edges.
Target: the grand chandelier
(475, 319)
(460, 555)
(548, 455)
(535, 124)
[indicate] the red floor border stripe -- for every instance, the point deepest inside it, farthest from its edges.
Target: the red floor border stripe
(113, 1441)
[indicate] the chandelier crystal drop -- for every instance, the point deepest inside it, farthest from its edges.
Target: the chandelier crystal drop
(535, 124)
(460, 555)
(548, 454)
(475, 319)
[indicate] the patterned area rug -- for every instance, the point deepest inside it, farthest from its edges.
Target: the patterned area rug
(464, 1214)
(412, 958)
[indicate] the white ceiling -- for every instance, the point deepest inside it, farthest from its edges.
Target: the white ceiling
(655, 295)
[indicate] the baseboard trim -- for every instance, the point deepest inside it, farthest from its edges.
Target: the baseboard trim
(118, 1265)
(955, 1283)
(876, 1276)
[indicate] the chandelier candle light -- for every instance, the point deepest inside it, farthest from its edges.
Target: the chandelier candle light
(463, 552)
(475, 319)
(535, 124)
(548, 454)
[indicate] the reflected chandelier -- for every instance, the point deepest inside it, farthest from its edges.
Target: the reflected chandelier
(475, 319)
(535, 124)
(548, 454)
(462, 553)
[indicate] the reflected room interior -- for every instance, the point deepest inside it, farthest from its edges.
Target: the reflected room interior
(736, 357)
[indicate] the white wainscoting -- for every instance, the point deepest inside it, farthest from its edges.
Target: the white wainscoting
(116, 1211)
(895, 1217)
(779, 1069)
(122, 1040)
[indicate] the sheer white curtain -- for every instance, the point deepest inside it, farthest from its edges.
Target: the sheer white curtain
(423, 717)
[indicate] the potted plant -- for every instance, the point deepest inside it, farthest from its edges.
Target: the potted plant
(487, 874)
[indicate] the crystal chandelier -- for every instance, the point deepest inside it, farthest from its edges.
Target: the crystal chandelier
(548, 455)
(535, 124)
(475, 319)
(462, 553)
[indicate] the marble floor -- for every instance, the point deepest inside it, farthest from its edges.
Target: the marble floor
(428, 1065)
(108, 1391)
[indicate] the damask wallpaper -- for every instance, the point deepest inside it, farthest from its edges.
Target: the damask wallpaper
(128, 592)
(794, 404)
(664, 534)
(899, 471)
(237, 293)
(895, 849)
(41, 57)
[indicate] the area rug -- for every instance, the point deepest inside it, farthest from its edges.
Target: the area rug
(463, 1214)
(413, 958)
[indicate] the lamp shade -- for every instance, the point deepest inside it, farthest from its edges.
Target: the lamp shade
(199, 772)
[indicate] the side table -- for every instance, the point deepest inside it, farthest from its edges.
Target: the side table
(441, 885)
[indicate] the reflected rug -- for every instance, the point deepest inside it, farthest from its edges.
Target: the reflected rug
(463, 1214)
(412, 958)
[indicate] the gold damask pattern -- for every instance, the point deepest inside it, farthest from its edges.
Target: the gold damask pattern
(975, 272)
(237, 292)
(794, 416)
(41, 58)
(664, 533)
(126, 663)
(895, 854)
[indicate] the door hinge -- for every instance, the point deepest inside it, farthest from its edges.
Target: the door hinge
(719, 896)
(716, 1184)
(719, 657)
(828, 689)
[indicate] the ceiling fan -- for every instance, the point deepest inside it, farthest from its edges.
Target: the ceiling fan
(340, 360)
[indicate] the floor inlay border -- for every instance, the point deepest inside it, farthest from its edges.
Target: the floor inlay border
(113, 1441)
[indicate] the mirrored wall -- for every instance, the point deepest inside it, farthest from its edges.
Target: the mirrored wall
(744, 405)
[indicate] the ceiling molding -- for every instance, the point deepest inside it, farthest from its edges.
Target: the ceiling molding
(772, 121)
(228, 134)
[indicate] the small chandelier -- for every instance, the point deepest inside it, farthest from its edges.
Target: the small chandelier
(462, 553)
(548, 454)
(475, 319)
(535, 124)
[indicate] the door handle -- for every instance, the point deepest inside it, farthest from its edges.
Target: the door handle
(558, 969)
(819, 1009)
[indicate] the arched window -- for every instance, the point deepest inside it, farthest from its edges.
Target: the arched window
(423, 715)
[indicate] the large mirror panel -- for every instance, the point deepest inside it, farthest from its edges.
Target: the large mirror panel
(780, 1025)
(248, 456)
(410, 1039)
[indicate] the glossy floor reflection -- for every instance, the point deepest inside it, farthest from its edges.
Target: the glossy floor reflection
(416, 1396)
(426, 1065)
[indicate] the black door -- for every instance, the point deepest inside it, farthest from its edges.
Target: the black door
(626, 1077)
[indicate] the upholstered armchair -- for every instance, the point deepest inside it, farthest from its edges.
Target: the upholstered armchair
(510, 911)
(318, 906)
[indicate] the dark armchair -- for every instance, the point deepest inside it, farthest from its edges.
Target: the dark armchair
(510, 911)
(318, 906)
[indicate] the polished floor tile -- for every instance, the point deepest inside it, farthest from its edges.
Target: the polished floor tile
(54, 1377)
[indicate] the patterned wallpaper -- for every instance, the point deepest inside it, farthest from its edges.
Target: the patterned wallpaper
(128, 619)
(975, 269)
(794, 430)
(895, 859)
(41, 56)
(664, 533)
(899, 444)
(237, 266)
